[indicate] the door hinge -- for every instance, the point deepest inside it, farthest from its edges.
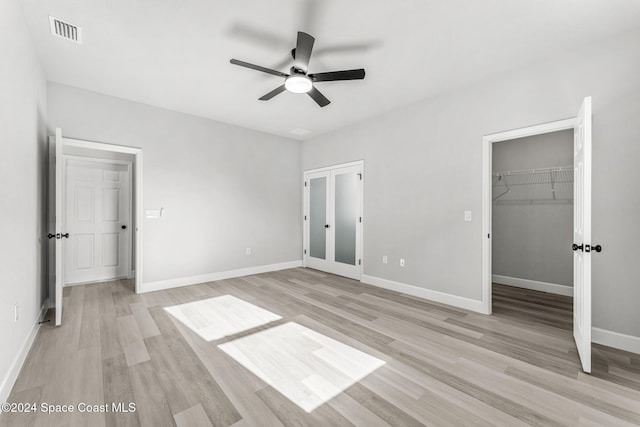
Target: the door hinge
(305, 183)
(488, 236)
(360, 219)
(305, 251)
(360, 175)
(305, 217)
(360, 262)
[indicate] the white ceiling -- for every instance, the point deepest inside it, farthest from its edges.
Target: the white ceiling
(175, 54)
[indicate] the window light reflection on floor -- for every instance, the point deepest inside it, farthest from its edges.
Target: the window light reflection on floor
(306, 367)
(222, 316)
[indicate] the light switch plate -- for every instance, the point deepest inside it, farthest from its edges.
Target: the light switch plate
(152, 213)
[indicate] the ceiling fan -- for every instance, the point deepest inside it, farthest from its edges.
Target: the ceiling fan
(299, 81)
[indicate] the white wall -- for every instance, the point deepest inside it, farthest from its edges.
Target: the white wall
(531, 231)
(223, 188)
(23, 213)
(423, 169)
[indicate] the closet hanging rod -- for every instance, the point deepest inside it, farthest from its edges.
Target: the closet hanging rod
(534, 171)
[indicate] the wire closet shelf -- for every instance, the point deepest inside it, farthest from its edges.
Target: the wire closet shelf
(540, 185)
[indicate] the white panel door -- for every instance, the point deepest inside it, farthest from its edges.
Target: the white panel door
(333, 221)
(98, 219)
(582, 235)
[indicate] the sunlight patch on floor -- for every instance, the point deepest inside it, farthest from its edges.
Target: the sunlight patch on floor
(222, 316)
(306, 367)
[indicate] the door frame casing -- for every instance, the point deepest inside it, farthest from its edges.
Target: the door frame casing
(137, 206)
(487, 153)
(359, 225)
(129, 172)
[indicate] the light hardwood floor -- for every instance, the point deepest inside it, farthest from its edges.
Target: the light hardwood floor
(443, 366)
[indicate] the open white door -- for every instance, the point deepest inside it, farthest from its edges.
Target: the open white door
(59, 272)
(582, 234)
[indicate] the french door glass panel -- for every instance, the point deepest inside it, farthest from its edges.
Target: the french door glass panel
(318, 217)
(346, 217)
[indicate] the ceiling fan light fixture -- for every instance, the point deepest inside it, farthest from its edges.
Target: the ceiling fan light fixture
(298, 84)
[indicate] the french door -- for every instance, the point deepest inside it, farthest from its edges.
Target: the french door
(333, 220)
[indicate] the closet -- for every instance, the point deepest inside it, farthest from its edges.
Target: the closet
(333, 219)
(532, 212)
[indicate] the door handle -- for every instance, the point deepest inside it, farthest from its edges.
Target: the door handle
(587, 248)
(58, 236)
(124, 227)
(326, 226)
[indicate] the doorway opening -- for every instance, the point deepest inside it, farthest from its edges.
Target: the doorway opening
(332, 219)
(532, 212)
(95, 214)
(98, 216)
(548, 179)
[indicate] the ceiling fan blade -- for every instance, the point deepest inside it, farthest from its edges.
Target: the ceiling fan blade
(318, 97)
(273, 93)
(258, 68)
(338, 75)
(304, 46)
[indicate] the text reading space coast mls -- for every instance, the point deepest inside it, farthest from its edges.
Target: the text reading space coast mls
(48, 408)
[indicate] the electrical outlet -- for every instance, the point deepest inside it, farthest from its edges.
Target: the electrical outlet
(384, 259)
(467, 215)
(248, 251)
(401, 262)
(15, 313)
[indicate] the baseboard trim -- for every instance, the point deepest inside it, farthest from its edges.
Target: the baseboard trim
(534, 285)
(221, 275)
(427, 294)
(10, 379)
(615, 340)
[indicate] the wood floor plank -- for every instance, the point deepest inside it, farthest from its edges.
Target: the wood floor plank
(131, 340)
(151, 402)
(118, 390)
(145, 322)
(193, 417)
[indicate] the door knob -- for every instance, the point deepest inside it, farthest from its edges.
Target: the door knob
(51, 236)
(576, 247)
(66, 235)
(326, 226)
(124, 227)
(597, 248)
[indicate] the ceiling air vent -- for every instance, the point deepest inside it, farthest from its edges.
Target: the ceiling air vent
(65, 30)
